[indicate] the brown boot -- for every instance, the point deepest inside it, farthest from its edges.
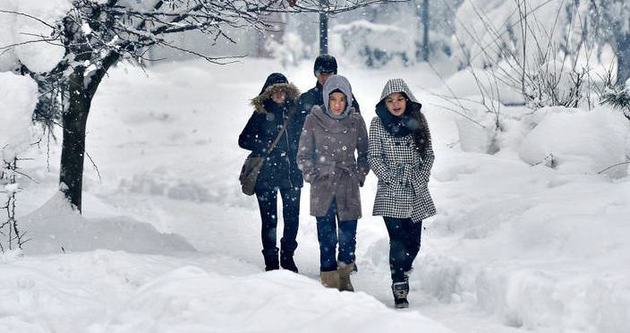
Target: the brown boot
(344, 276)
(330, 279)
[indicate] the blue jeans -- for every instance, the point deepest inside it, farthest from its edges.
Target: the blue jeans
(404, 245)
(268, 204)
(329, 231)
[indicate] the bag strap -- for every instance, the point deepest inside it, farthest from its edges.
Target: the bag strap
(283, 129)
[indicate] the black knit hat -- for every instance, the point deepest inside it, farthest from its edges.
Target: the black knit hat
(273, 78)
(325, 64)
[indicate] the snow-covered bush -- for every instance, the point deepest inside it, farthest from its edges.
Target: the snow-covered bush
(477, 127)
(291, 51)
(577, 141)
(543, 49)
(618, 97)
(372, 44)
(18, 97)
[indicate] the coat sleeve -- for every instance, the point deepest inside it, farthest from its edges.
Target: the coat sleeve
(427, 162)
(250, 137)
(306, 151)
(362, 150)
(375, 154)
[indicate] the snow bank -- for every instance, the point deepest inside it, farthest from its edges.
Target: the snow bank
(190, 299)
(115, 292)
(56, 228)
(540, 251)
(577, 141)
(18, 97)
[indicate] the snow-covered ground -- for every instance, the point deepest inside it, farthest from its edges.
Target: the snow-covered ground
(167, 242)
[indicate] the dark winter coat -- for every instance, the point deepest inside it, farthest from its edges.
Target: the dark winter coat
(314, 97)
(402, 167)
(326, 156)
(280, 168)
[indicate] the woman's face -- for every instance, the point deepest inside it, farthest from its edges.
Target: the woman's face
(396, 104)
(337, 103)
(278, 97)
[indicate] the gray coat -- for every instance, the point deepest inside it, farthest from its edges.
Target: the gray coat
(326, 156)
(403, 175)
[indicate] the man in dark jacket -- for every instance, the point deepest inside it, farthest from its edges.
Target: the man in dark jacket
(325, 66)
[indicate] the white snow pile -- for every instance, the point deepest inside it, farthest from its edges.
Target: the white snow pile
(18, 97)
(578, 141)
(56, 227)
(492, 83)
(31, 33)
(191, 299)
(156, 294)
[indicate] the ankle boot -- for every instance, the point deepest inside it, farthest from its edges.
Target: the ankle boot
(287, 262)
(330, 279)
(400, 291)
(271, 260)
(344, 276)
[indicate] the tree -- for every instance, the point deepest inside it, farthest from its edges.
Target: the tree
(424, 18)
(97, 34)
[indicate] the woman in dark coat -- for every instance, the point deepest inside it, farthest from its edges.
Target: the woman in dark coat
(326, 155)
(276, 103)
(401, 156)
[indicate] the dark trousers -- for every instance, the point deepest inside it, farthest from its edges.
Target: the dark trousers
(267, 202)
(329, 232)
(404, 245)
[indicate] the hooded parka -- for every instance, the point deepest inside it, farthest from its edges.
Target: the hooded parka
(326, 155)
(280, 167)
(403, 169)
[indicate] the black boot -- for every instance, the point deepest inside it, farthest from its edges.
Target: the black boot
(287, 262)
(271, 260)
(400, 291)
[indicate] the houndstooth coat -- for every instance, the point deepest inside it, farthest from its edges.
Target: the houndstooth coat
(403, 175)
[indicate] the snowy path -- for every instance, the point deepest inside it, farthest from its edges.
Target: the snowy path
(513, 248)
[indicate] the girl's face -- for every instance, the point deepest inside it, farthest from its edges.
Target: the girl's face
(337, 103)
(396, 104)
(279, 96)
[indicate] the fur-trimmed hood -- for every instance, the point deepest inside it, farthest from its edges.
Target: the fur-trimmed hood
(293, 93)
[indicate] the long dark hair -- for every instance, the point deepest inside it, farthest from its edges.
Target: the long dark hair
(421, 135)
(411, 122)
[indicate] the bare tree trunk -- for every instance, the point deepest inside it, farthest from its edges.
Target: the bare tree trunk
(623, 59)
(323, 33)
(425, 30)
(74, 121)
(81, 90)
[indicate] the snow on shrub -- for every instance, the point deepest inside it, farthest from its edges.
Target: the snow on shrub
(38, 56)
(492, 83)
(291, 51)
(8, 59)
(18, 97)
(476, 125)
(577, 141)
(372, 44)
